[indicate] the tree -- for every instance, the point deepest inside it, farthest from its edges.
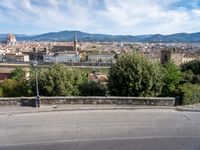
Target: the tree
(194, 66)
(192, 70)
(172, 79)
(59, 81)
(135, 75)
(18, 74)
(16, 86)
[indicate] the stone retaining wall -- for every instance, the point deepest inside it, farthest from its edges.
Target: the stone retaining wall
(142, 101)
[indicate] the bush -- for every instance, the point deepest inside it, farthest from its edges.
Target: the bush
(135, 75)
(92, 88)
(189, 94)
(14, 88)
(189, 77)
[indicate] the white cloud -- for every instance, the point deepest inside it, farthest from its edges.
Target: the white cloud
(101, 16)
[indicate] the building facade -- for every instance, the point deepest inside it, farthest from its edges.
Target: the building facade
(104, 57)
(62, 57)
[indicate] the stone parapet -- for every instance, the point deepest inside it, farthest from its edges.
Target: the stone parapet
(140, 101)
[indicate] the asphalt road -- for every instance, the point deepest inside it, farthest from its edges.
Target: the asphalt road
(101, 130)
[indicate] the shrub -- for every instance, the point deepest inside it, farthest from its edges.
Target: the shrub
(14, 88)
(189, 93)
(92, 88)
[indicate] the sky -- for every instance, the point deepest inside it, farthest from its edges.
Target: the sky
(126, 17)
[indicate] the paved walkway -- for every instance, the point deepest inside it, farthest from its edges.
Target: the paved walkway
(48, 108)
(195, 107)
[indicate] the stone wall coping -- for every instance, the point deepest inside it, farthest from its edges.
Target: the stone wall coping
(89, 98)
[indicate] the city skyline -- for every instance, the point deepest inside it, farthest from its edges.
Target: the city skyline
(100, 16)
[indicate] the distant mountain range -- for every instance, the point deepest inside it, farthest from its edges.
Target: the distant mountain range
(82, 36)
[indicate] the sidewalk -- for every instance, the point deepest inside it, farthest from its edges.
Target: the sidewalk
(193, 108)
(49, 108)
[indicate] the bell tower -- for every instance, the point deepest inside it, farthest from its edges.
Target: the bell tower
(75, 42)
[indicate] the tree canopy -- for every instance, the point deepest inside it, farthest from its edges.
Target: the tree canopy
(135, 75)
(59, 80)
(18, 74)
(172, 79)
(194, 66)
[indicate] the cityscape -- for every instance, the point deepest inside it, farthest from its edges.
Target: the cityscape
(99, 74)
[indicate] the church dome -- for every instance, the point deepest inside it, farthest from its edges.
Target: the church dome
(11, 38)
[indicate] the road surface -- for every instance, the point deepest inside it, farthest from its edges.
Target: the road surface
(101, 130)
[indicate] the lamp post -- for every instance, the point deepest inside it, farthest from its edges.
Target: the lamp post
(37, 99)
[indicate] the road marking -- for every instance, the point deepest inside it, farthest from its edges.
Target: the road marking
(187, 117)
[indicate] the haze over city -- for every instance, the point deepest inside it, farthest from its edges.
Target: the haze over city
(131, 17)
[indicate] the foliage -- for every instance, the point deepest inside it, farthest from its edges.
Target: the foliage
(59, 81)
(188, 76)
(194, 66)
(92, 88)
(1, 91)
(172, 79)
(135, 75)
(190, 93)
(15, 88)
(196, 79)
(192, 72)
(17, 74)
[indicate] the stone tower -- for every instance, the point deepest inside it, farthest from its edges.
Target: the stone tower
(75, 42)
(165, 56)
(174, 55)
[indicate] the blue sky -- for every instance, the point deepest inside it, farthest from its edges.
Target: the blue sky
(133, 17)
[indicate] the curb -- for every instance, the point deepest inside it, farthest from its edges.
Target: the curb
(98, 108)
(84, 109)
(188, 109)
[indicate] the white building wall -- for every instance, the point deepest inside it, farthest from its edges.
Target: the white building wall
(62, 58)
(26, 58)
(100, 57)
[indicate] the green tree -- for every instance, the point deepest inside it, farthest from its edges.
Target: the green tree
(135, 75)
(59, 81)
(17, 85)
(18, 74)
(194, 66)
(172, 79)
